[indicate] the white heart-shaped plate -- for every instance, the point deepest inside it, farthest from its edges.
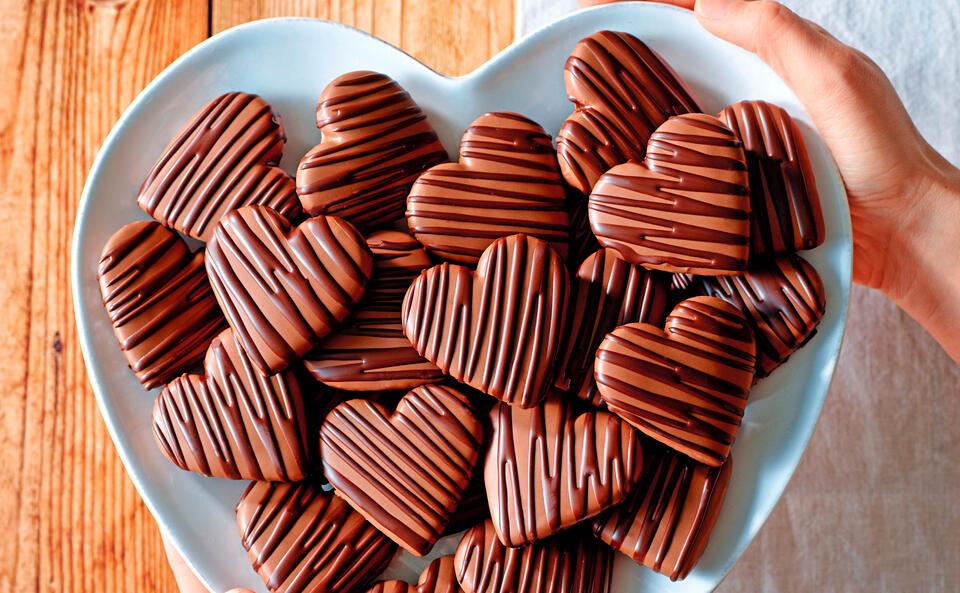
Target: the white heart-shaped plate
(288, 62)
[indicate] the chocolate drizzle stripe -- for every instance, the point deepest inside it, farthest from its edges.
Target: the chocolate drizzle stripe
(498, 332)
(622, 91)
(666, 523)
(283, 289)
(507, 181)
(686, 386)
(406, 471)
(303, 540)
(159, 301)
(546, 471)
(376, 141)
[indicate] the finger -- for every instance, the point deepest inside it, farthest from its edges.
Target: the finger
(688, 4)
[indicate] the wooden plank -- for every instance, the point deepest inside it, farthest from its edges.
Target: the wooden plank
(451, 36)
(71, 519)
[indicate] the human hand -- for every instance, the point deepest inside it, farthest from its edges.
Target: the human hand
(187, 581)
(904, 197)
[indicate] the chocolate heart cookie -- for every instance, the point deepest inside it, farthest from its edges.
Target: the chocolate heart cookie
(685, 208)
(607, 292)
(497, 329)
(281, 288)
(686, 385)
(622, 91)
(224, 158)
(438, 577)
(506, 182)
(376, 141)
(667, 520)
(546, 470)
(301, 539)
(784, 203)
(234, 422)
(404, 471)
(159, 301)
(369, 351)
(782, 299)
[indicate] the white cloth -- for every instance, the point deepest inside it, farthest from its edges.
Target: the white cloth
(875, 503)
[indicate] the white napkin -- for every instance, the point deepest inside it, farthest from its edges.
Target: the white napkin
(873, 505)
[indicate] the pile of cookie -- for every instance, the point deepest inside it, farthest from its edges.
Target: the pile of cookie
(547, 346)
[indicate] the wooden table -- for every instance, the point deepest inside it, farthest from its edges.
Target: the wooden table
(70, 518)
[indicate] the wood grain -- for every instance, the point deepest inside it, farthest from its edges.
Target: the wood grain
(71, 519)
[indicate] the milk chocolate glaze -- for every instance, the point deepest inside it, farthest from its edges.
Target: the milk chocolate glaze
(225, 157)
(472, 507)
(497, 329)
(572, 561)
(404, 472)
(685, 208)
(546, 470)
(301, 539)
(283, 289)
(666, 523)
(622, 91)
(506, 182)
(369, 351)
(376, 141)
(606, 293)
(785, 205)
(159, 302)
(439, 577)
(686, 386)
(783, 300)
(391, 587)
(234, 422)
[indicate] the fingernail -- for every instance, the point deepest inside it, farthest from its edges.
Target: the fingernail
(713, 9)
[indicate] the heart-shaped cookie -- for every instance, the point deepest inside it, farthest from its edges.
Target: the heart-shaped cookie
(234, 422)
(159, 301)
(439, 577)
(622, 91)
(369, 351)
(506, 182)
(607, 292)
(301, 539)
(686, 208)
(571, 562)
(283, 289)
(686, 385)
(784, 203)
(497, 329)
(782, 299)
(404, 471)
(225, 157)
(546, 470)
(667, 520)
(376, 141)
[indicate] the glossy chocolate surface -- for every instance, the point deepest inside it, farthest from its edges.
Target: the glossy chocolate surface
(622, 91)
(783, 300)
(685, 208)
(571, 562)
(785, 205)
(283, 289)
(666, 523)
(369, 351)
(546, 470)
(685, 386)
(234, 422)
(301, 539)
(376, 141)
(497, 329)
(225, 157)
(507, 182)
(607, 292)
(406, 471)
(159, 301)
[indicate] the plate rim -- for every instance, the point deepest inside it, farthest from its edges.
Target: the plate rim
(84, 329)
